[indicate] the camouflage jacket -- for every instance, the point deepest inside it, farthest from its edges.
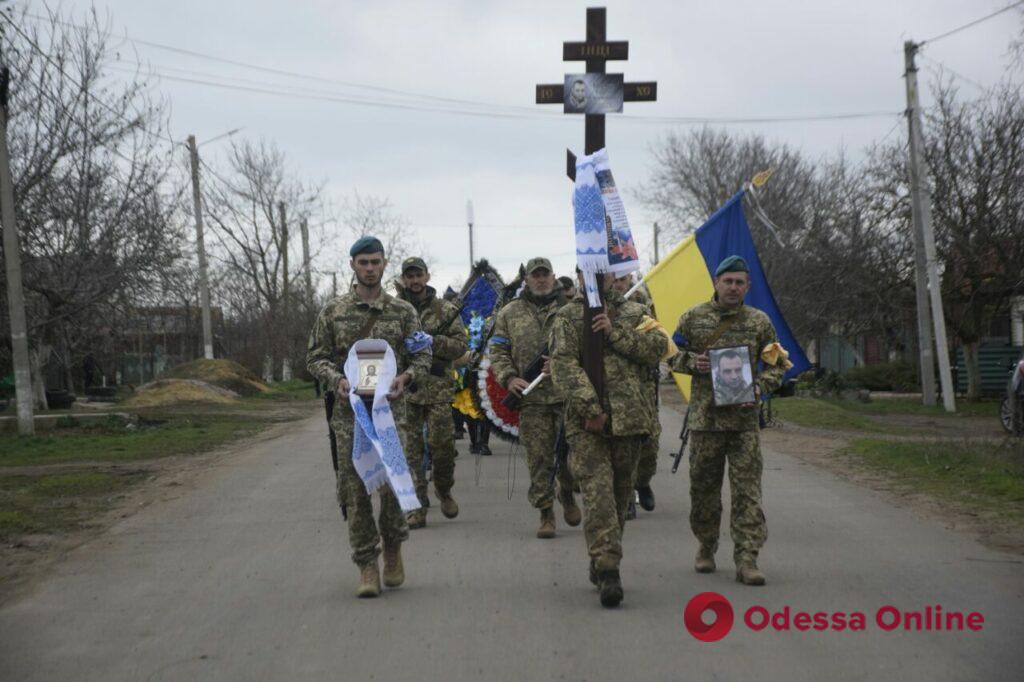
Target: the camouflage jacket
(521, 331)
(449, 344)
(338, 325)
(629, 356)
(750, 327)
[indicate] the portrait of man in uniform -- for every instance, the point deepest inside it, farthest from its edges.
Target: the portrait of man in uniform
(732, 375)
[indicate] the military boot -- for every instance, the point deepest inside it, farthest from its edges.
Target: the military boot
(611, 587)
(369, 581)
(417, 518)
(570, 510)
(547, 524)
(394, 571)
(705, 562)
(749, 574)
(449, 507)
(484, 438)
(646, 497)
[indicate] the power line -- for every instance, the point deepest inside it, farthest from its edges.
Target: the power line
(971, 24)
(495, 110)
(81, 87)
(936, 62)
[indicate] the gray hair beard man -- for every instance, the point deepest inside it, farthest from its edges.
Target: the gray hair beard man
(521, 333)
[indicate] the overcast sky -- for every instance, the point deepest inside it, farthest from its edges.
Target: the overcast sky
(710, 59)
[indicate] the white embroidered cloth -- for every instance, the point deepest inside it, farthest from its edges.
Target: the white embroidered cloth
(376, 447)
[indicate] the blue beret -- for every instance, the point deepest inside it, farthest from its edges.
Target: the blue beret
(366, 245)
(732, 264)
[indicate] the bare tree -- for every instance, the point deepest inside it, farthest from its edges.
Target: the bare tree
(90, 164)
(368, 215)
(243, 212)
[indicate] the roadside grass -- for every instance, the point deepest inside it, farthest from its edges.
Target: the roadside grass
(848, 415)
(826, 414)
(975, 476)
(53, 503)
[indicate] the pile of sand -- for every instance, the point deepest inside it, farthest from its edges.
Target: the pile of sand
(224, 373)
(166, 392)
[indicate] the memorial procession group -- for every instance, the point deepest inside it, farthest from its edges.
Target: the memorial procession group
(408, 345)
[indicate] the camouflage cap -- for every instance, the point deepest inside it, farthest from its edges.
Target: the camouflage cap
(414, 262)
(538, 262)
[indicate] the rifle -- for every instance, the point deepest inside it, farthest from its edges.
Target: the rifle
(332, 437)
(684, 436)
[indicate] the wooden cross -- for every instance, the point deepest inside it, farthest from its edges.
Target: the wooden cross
(595, 52)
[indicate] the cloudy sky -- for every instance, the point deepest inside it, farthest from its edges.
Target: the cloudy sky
(717, 60)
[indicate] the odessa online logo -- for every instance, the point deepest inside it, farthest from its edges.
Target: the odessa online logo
(716, 604)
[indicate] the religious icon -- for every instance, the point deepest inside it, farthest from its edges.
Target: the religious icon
(370, 365)
(592, 93)
(732, 375)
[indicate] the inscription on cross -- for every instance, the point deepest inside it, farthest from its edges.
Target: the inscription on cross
(595, 51)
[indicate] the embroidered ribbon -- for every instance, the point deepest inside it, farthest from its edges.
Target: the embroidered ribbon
(376, 447)
(419, 341)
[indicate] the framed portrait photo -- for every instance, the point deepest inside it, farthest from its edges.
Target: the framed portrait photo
(732, 375)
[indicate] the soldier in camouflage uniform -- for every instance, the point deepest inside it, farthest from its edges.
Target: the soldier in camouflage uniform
(647, 464)
(521, 332)
(606, 433)
(429, 405)
(729, 433)
(367, 311)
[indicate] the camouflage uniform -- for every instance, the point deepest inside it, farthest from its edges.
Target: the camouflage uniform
(725, 433)
(430, 403)
(605, 464)
(647, 464)
(337, 327)
(724, 395)
(521, 331)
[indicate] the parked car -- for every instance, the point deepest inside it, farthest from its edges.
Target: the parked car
(1011, 412)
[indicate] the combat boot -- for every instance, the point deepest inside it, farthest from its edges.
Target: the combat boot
(611, 587)
(449, 507)
(570, 510)
(705, 562)
(547, 524)
(394, 571)
(646, 497)
(749, 574)
(484, 437)
(369, 581)
(417, 518)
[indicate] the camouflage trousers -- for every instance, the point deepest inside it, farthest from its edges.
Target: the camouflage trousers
(437, 418)
(364, 534)
(647, 464)
(709, 451)
(604, 467)
(538, 432)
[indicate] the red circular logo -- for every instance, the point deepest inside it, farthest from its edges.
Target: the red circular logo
(717, 604)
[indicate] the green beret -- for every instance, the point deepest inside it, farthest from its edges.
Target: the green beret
(732, 264)
(366, 245)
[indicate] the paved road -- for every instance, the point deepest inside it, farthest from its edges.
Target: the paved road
(247, 577)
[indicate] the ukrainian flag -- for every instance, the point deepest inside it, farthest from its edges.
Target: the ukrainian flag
(684, 279)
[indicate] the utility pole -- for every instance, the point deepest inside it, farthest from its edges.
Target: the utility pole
(12, 264)
(334, 284)
(656, 244)
(469, 221)
(926, 261)
(307, 273)
(204, 283)
(286, 361)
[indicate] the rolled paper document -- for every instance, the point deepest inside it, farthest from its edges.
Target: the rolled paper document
(533, 384)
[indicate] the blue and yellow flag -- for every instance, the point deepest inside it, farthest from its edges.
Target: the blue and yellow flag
(684, 279)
